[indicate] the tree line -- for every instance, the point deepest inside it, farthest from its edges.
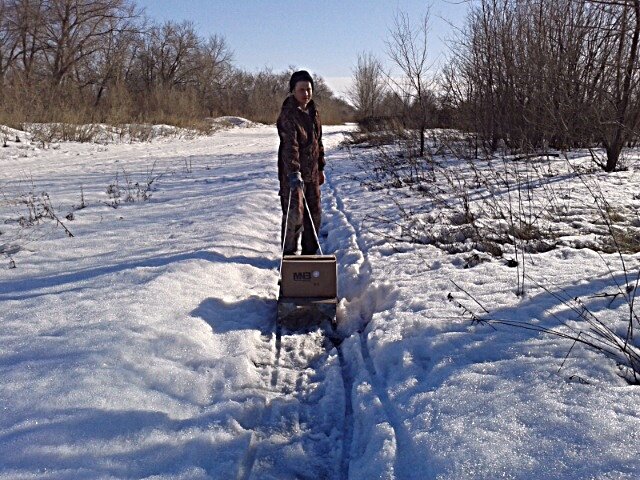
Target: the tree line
(525, 74)
(81, 61)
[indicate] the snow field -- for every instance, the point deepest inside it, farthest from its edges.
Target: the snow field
(113, 342)
(146, 345)
(486, 404)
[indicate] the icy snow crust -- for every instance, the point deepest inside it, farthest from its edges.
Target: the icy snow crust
(146, 345)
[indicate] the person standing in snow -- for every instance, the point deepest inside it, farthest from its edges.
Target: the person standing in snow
(300, 166)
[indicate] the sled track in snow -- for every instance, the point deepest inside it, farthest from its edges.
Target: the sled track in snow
(362, 358)
(347, 427)
(310, 376)
(299, 370)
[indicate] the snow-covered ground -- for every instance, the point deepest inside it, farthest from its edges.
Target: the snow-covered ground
(145, 346)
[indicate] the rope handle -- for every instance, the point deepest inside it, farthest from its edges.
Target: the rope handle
(284, 236)
(313, 227)
(286, 223)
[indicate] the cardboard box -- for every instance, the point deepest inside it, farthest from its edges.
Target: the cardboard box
(309, 276)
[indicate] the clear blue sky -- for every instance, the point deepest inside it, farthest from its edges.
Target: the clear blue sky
(323, 36)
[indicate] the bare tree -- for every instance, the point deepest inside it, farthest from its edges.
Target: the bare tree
(77, 29)
(368, 88)
(25, 23)
(407, 49)
(110, 64)
(8, 41)
(621, 86)
(565, 73)
(174, 48)
(215, 63)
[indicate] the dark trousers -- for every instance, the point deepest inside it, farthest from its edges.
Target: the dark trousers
(298, 223)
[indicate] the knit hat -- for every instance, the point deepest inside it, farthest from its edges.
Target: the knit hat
(299, 76)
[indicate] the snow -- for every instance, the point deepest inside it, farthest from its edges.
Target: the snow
(52, 135)
(145, 346)
(10, 133)
(233, 121)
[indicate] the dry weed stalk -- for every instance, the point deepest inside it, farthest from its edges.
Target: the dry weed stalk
(597, 335)
(132, 191)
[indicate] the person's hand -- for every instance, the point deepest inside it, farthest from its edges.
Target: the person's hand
(321, 178)
(295, 181)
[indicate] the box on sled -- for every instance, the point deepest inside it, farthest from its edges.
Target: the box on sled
(308, 289)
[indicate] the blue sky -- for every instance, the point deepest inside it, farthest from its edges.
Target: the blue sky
(324, 37)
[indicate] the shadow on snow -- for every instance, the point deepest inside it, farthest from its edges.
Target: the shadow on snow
(21, 288)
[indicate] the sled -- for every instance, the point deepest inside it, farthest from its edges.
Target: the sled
(308, 290)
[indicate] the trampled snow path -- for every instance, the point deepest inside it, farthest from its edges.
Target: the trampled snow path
(146, 345)
(362, 299)
(314, 371)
